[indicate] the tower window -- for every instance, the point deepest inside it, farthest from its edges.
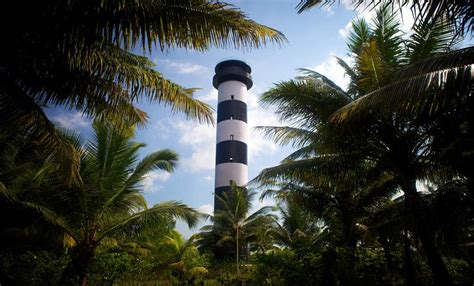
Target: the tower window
(231, 137)
(232, 97)
(231, 159)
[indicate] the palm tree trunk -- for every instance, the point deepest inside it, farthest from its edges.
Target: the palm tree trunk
(408, 268)
(237, 253)
(78, 267)
(417, 215)
(390, 266)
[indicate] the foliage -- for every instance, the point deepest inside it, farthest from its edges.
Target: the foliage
(79, 55)
(31, 267)
(109, 267)
(108, 204)
(353, 155)
(233, 225)
(459, 13)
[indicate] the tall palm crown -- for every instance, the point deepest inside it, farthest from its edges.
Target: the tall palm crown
(78, 54)
(398, 145)
(233, 225)
(109, 203)
(298, 226)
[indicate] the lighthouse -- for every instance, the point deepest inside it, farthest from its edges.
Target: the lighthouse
(232, 80)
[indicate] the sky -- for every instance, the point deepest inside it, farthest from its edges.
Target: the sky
(315, 37)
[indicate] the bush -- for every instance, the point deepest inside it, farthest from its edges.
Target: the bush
(31, 267)
(107, 268)
(284, 267)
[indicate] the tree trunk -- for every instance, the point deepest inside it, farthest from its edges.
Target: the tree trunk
(350, 239)
(78, 267)
(389, 265)
(408, 267)
(350, 243)
(237, 253)
(417, 215)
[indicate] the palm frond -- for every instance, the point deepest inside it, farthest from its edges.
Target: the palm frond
(202, 24)
(371, 67)
(304, 5)
(137, 76)
(302, 153)
(429, 39)
(131, 225)
(259, 213)
(284, 135)
(427, 85)
(19, 113)
(458, 13)
(351, 73)
(305, 102)
(308, 74)
(317, 168)
(359, 37)
(387, 32)
(43, 212)
(165, 160)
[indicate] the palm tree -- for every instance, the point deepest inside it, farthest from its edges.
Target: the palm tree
(398, 145)
(78, 54)
(176, 248)
(337, 190)
(298, 226)
(108, 204)
(233, 226)
(437, 92)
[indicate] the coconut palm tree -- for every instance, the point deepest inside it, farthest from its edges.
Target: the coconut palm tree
(80, 55)
(108, 204)
(339, 198)
(175, 248)
(234, 228)
(398, 145)
(298, 226)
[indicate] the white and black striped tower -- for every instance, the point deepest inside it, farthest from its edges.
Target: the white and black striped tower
(232, 80)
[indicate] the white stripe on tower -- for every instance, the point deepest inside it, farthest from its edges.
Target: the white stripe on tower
(232, 79)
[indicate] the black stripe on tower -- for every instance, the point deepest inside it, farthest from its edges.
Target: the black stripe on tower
(232, 110)
(231, 152)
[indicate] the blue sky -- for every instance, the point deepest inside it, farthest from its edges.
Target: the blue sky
(314, 38)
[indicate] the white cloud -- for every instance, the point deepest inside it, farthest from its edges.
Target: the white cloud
(209, 97)
(202, 158)
(328, 9)
(348, 4)
(332, 70)
(208, 178)
(258, 204)
(71, 120)
(150, 182)
(405, 18)
(202, 140)
(258, 145)
(163, 127)
(185, 67)
(207, 209)
(344, 32)
(252, 97)
(193, 133)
